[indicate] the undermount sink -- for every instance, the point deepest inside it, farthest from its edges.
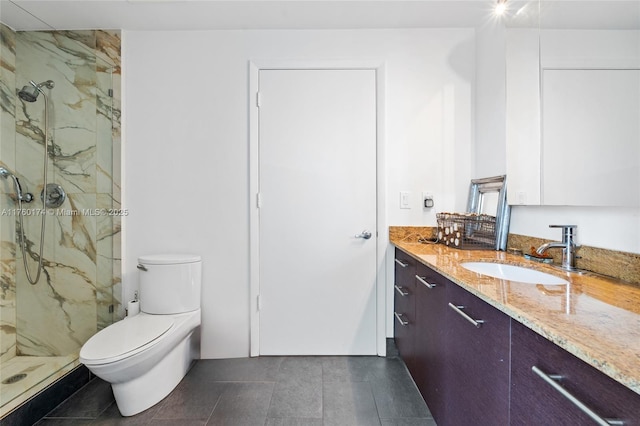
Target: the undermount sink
(513, 273)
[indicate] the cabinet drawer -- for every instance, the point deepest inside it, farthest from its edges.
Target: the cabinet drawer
(405, 267)
(404, 284)
(404, 336)
(428, 278)
(404, 297)
(535, 400)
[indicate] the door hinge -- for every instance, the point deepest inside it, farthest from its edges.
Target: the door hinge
(110, 93)
(258, 302)
(258, 200)
(111, 309)
(258, 99)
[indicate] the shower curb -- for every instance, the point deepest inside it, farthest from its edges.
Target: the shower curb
(49, 398)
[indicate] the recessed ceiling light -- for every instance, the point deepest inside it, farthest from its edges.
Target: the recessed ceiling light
(501, 7)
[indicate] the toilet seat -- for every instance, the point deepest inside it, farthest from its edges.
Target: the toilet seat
(125, 338)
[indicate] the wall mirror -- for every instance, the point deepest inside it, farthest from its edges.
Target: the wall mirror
(573, 103)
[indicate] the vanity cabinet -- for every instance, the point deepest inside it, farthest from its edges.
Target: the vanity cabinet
(535, 401)
(405, 307)
(460, 368)
(474, 365)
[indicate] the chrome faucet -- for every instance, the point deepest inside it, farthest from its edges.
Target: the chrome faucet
(568, 246)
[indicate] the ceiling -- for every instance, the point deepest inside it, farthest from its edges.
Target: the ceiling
(144, 15)
(241, 14)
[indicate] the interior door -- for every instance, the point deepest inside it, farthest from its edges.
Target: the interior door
(317, 179)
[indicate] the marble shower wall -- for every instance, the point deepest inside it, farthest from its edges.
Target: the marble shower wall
(81, 278)
(8, 337)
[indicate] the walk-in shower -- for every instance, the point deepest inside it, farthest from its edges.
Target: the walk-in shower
(53, 136)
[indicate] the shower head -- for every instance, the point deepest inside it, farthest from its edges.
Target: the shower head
(30, 93)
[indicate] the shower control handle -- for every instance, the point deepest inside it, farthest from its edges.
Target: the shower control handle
(55, 195)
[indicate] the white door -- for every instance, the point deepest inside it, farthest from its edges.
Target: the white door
(317, 178)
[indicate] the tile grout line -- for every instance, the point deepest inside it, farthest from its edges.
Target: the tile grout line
(215, 405)
(322, 416)
(375, 401)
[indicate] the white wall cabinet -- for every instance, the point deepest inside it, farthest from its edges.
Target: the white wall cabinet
(590, 137)
(573, 106)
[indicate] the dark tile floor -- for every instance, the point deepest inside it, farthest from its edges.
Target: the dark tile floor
(271, 391)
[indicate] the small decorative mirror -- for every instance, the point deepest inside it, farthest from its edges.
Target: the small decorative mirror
(489, 196)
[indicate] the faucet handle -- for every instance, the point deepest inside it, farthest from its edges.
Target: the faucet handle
(568, 232)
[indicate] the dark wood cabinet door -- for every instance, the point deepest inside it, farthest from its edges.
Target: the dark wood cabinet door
(405, 307)
(534, 401)
(477, 357)
(429, 344)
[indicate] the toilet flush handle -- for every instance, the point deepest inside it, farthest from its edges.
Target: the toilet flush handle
(141, 267)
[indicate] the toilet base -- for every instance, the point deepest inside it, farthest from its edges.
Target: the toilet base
(137, 395)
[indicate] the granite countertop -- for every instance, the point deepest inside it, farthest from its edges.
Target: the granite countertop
(594, 317)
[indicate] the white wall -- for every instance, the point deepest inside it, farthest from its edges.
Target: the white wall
(613, 228)
(186, 147)
(490, 105)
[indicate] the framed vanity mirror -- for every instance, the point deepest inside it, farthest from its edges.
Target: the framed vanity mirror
(489, 196)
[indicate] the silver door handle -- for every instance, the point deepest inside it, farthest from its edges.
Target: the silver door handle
(458, 309)
(365, 234)
(552, 379)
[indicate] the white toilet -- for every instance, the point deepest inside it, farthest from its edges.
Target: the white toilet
(145, 356)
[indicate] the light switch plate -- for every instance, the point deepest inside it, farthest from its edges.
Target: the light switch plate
(405, 200)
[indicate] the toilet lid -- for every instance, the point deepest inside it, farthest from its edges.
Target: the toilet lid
(125, 337)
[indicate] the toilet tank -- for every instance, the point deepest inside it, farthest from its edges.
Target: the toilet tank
(169, 283)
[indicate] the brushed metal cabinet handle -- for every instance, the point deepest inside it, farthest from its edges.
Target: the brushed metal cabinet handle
(399, 290)
(553, 381)
(400, 320)
(141, 267)
(401, 263)
(423, 281)
(458, 309)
